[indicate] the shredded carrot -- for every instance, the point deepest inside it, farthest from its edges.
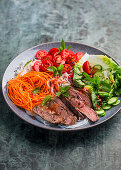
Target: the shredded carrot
(20, 89)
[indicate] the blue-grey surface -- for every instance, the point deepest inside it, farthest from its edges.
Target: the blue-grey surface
(26, 23)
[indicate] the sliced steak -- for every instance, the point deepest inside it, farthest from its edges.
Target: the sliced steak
(72, 107)
(86, 110)
(47, 114)
(56, 112)
(81, 96)
(79, 108)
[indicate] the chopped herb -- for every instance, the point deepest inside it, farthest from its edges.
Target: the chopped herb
(52, 69)
(66, 94)
(27, 63)
(60, 68)
(55, 70)
(62, 47)
(68, 47)
(58, 94)
(63, 44)
(36, 90)
(63, 90)
(45, 100)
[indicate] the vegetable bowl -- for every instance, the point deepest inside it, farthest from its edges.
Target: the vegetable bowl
(95, 72)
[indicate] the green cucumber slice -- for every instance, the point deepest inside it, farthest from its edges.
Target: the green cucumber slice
(103, 94)
(112, 100)
(100, 112)
(106, 107)
(117, 102)
(97, 67)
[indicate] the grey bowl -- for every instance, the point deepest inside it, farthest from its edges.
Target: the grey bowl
(37, 121)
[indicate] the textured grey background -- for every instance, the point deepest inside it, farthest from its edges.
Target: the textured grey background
(25, 23)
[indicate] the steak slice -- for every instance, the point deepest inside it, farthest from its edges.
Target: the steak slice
(47, 114)
(56, 112)
(79, 108)
(71, 106)
(81, 96)
(84, 109)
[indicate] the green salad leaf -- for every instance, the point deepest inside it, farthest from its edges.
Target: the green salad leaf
(77, 77)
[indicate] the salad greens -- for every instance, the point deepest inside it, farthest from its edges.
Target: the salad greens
(103, 85)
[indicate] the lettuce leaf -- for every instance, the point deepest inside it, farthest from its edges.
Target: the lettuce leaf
(105, 62)
(78, 75)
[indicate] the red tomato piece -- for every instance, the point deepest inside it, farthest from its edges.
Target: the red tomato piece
(45, 64)
(70, 77)
(70, 52)
(79, 55)
(86, 67)
(48, 57)
(66, 69)
(37, 65)
(40, 54)
(72, 59)
(64, 53)
(53, 51)
(57, 60)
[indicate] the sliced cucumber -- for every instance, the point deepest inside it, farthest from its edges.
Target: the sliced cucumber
(103, 94)
(106, 107)
(112, 100)
(97, 67)
(100, 112)
(117, 102)
(98, 74)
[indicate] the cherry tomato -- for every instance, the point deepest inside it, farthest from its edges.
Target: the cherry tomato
(48, 57)
(70, 52)
(57, 60)
(37, 65)
(86, 67)
(72, 59)
(64, 53)
(66, 68)
(40, 54)
(53, 51)
(45, 64)
(70, 77)
(79, 55)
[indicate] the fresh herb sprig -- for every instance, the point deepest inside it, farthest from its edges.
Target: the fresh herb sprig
(27, 63)
(36, 90)
(62, 47)
(63, 91)
(45, 100)
(56, 70)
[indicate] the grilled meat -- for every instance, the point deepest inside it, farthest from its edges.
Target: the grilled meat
(80, 104)
(56, 112)
(81, 96)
